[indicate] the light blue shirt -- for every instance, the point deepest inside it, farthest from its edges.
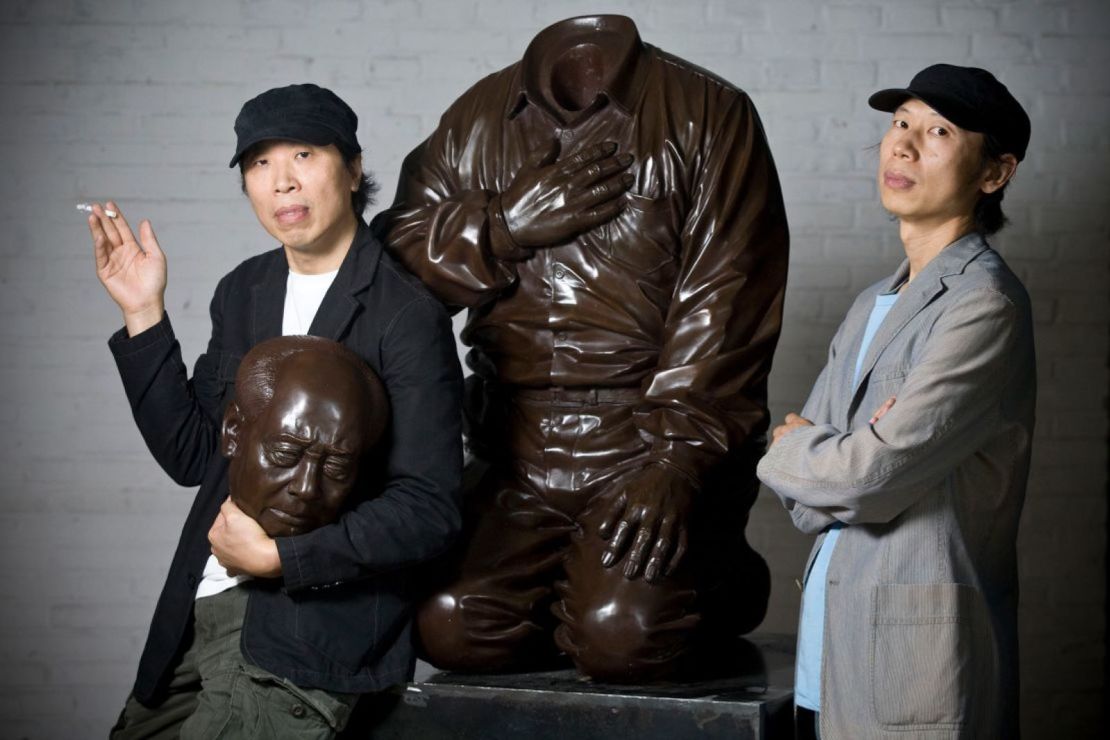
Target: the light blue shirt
(811, 638)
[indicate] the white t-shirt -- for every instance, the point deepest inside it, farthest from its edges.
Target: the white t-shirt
(303, 296)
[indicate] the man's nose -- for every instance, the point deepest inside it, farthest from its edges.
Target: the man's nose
(285, 178)
(306, 480)
(904, 145)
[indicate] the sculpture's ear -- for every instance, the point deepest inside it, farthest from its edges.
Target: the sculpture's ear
(231, 431)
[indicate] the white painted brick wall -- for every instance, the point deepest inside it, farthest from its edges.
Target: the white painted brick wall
(135, 99)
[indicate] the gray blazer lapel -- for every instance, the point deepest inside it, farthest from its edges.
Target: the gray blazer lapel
(344, 299)
(268, 299)
(839, 386)
(928, 284)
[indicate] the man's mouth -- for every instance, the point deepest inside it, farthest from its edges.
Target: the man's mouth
(897, 181)
(290, 215)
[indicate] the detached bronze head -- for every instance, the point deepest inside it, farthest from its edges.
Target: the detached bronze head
(307, 412)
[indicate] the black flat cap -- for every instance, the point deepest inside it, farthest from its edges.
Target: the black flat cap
(969, 97)
(308, 113)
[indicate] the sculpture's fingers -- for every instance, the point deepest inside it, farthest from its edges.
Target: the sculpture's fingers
(617, 545)
(679, 551)
(660, 551)
(638, 551)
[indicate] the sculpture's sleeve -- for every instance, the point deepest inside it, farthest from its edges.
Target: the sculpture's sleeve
(450, 235)
(178, 417)
(708, 396)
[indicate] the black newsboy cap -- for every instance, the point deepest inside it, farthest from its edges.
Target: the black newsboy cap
(307, 113)
(969, 97)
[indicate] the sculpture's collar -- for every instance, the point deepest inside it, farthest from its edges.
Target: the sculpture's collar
(621, 50)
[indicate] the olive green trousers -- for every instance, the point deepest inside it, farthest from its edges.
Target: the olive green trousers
(215, 693)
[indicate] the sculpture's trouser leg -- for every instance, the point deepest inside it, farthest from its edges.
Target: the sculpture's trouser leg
(532, 524)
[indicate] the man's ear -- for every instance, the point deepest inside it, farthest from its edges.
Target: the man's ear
(998, 173)
(355, 169)
(231, 430)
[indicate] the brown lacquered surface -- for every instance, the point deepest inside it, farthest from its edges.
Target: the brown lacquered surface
(307, 414)
(611, 217)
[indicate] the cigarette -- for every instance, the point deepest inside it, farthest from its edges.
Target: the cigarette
(89, 209)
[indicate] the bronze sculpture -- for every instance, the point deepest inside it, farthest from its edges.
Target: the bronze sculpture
(307, 414)
(612, 219)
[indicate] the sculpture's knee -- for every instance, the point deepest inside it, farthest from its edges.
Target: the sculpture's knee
(440, 635)
(475, 633)
(622, 645)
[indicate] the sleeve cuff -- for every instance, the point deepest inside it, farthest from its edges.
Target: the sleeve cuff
(291, 571)
(123, 345)
(682, 458)
(501, 244)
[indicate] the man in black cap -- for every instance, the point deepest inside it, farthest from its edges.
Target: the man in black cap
(259, 636)
(910, 458)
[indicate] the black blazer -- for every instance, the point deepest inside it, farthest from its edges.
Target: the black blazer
(338, 619)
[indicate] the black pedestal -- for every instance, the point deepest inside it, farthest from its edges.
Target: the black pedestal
(754, 699)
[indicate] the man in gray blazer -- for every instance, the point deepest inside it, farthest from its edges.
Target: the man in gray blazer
(910, 458)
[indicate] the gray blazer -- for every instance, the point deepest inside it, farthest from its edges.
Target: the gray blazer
(921, 601)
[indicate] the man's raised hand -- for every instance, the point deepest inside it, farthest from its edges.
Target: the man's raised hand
(134, 275)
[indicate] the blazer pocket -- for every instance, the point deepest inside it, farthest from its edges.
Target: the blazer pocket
(929, 646)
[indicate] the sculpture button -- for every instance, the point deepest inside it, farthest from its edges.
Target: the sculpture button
(560, 273)
(297, 710)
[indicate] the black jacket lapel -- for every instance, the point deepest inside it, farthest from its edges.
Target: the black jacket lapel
(345, 298)
(268, 298)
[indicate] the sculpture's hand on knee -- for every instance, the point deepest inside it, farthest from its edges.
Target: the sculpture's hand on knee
(646, 524)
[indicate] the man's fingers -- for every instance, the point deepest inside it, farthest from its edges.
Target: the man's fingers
(881, 411)
(217, 525)
(108, 225)
(147, 238)
(101, 246)
(120, 223)
(777, 433)
(230, 510)
(587, 156)
(793, 418)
